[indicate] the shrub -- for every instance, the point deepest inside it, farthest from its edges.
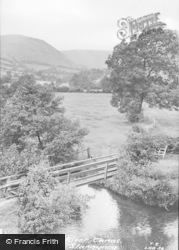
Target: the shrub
(143, 183)
(145, 124)
(142, 147)
(140, 177)
(173, 145)
(45, 204)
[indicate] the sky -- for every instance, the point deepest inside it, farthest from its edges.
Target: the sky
(79, 24)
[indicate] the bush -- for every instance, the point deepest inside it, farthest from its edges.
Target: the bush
(142, 147)
(139, 176)
(143, 183)
(145, 124)
(45, 204)
(173, 145)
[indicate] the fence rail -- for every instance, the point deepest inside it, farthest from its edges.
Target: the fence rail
(78, 172)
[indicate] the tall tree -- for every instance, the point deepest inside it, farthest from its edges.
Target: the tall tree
(145, 70)
(33, 113)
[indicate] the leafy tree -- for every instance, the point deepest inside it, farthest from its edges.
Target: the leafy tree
(145, 70)
(44, 203)
(33, 113)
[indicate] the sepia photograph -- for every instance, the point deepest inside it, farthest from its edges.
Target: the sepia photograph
(89, 124)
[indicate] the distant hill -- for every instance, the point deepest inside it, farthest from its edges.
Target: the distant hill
(31, 52)
(21, 52)
(88, 58)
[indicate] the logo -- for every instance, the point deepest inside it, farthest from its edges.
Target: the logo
(8, 241)
(129, 26)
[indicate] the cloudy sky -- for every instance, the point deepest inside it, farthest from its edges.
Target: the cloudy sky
(79, 24)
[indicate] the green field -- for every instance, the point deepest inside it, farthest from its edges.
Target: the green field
(105, 124)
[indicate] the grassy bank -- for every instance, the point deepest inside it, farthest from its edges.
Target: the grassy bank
(155, 186)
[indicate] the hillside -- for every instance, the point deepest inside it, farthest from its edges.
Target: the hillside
(88, 58)
(31, 52)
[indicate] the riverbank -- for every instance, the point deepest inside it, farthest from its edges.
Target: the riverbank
(110, 218)
(102, 184)
(159, 189)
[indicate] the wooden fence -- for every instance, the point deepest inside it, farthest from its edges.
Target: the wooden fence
(78, 172)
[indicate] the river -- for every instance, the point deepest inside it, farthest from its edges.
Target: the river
(114, 223)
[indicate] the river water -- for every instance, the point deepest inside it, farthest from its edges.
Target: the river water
(114, 223)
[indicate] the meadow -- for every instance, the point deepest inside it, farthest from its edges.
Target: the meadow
(106, 125)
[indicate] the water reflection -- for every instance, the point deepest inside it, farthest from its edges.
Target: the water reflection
(111, 221)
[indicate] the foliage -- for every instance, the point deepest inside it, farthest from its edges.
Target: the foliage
(139, 176)
(144, 183)
(145, 70)
(12, 161)
(7, 90)
(132, 114)
(85, 79)
(106, 84)
(173, 145)
(64, 146)
(9, 161)
(142, 147)
(45, 204)
(62, 88)
(33, 113)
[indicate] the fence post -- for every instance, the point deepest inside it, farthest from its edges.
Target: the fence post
(88, 153)
(68, 177)
(106, 172)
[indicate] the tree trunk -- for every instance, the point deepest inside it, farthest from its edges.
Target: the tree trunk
(39, 139)
(141, 102)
